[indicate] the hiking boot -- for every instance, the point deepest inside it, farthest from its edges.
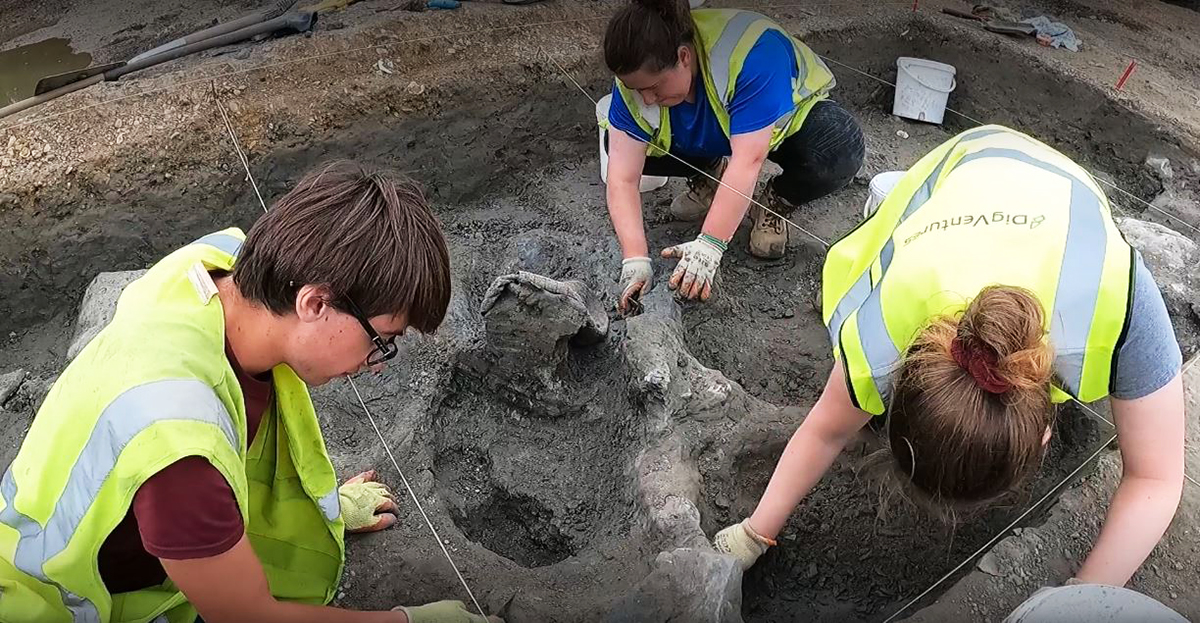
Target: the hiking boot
(769, 233)
(694, 204)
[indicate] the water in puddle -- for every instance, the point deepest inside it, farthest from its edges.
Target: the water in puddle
(22, 67)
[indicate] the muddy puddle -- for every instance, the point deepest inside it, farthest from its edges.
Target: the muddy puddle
(22, 66)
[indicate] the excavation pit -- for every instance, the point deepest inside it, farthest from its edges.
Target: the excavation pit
(533, 489)
(542, 496)
(516, 526)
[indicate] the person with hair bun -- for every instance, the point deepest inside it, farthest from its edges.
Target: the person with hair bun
(708, 95)
(990, 285)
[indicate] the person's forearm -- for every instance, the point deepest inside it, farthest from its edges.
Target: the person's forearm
(1139, 514)
(807, 457)
(729, 207)
(625, 209)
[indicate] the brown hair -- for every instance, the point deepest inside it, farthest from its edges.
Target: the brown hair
(363, 235)
(647, 34)
(971, 401)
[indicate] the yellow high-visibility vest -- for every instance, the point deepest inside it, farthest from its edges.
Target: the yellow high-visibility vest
(991, 206)
(724, 39)
(153, 387)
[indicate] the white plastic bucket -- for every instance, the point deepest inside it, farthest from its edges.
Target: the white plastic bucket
(922, 88)
(881, 185)
(648, 182)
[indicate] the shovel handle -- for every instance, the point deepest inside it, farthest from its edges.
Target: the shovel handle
(962, 14)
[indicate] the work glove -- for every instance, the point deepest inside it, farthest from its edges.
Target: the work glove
(697, 269)
(367, 505)
(637, 275)
(742, 542)
(449, 611)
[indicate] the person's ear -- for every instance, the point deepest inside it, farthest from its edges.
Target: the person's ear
(312, 303)
(685, 57)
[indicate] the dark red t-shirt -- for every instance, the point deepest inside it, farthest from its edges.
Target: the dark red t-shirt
(185, 511)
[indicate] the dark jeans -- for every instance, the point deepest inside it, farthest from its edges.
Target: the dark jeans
(817, 160)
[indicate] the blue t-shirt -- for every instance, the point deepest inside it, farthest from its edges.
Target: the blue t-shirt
(762, 95)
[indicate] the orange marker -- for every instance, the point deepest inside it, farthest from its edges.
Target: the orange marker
(1128, 72)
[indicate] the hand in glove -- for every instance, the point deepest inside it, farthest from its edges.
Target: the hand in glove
(637, 275)
(448, 611)
(742, 542)
(367, 505)
(697, 268)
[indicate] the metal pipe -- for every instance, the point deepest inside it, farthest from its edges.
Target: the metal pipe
(272, 12)
(30, 102)
(297, 21)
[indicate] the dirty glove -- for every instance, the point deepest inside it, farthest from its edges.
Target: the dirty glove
(367, 505)
(448, 611)
(742, 542)
(538, 291)
(637, 275)
(697, 268)
(572, 291)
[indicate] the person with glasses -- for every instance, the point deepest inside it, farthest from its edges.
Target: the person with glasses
(176, 469)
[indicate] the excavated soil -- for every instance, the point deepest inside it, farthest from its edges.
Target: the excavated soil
(543, 497)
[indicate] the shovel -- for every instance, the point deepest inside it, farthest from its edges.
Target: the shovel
(50, 83)
(57, 81)
(287, 23)
(1001, 26)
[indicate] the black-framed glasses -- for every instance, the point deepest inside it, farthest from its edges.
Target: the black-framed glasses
(385, 350)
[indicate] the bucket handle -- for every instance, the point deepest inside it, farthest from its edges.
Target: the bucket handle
(953, 81)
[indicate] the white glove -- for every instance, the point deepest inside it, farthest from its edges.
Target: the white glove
(448, 611)
(697, 268)
(742, 542)
(636, 277)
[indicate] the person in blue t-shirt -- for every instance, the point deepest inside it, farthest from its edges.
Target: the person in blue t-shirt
(722, 91)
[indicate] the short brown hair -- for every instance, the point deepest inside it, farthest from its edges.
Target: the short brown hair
(971, 402)
(366, 236)
(647, 34)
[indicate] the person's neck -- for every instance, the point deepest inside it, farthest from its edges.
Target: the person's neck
(251, 331)
(691, 96)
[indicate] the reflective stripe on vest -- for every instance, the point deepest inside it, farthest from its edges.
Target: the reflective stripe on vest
(330, 505)
(861, 289)
(1081, 271)
(721, 54)
(1077, 290)
(225, 242)
(82, 610)
(724, 39)
(123, 419)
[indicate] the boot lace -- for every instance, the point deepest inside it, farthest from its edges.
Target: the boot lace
(701, 185)
(771, 211)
